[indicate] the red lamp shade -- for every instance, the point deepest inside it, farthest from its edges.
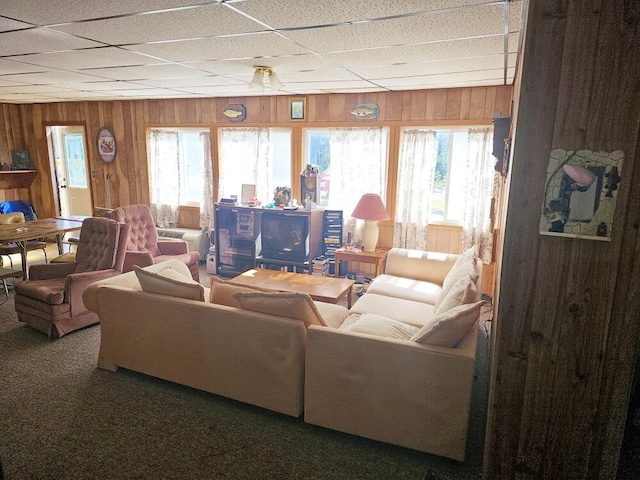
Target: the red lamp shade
(370, 207)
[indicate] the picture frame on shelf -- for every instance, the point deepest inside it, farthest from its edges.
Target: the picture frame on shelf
(297, 108)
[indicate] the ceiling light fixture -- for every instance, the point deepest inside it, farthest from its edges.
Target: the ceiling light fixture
(257, 82)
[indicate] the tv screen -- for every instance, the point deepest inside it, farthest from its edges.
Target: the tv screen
(285, 236)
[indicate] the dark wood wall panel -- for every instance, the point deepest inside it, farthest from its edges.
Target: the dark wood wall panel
(566, 328)
(126, 180)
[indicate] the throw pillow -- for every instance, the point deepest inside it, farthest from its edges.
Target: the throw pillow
(380, 326)
(169, 282)
(463, 291)
(289, 305)
(465, 264)
(448, 328)
(222, 292)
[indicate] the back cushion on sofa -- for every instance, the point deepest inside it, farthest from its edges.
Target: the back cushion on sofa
(169, 282)
(448, 328)
(465, 290)
(298, 306)
(222, 292)
(418, 264)
(464, 264)
(381, 326)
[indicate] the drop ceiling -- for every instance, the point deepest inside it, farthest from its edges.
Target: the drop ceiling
(71, 50)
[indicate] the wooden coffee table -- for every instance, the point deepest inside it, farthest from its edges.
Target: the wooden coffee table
(323, 289)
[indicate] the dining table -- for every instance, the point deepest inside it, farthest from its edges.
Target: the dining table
(22, 232)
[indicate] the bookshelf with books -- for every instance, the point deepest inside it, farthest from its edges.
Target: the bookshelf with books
(332, 235)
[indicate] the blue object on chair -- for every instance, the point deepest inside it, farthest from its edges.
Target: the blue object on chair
(12, 206)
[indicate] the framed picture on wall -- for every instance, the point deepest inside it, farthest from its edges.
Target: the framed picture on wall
(297, 107)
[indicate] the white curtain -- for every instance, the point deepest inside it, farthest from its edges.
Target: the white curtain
(164, 176)
(206, 204)
(245, 159)
(416, 168)
(358, 166)
(481, 184)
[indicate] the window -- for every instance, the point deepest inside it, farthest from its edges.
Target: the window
(179, 172)
(351, 161)
(257, 156)
(450, 171)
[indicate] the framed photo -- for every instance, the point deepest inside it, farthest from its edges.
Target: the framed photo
(297, 107)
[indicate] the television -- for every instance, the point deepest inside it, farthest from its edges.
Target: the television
(285, 236)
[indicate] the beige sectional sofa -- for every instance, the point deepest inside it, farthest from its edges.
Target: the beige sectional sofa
(397, 368)
(390, 388)
(245, 355)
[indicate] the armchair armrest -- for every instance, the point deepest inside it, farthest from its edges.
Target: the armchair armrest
(76, 284)
(51, 270)
(131, 258)
(173, 247)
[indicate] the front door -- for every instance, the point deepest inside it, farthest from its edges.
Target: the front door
(71, 171)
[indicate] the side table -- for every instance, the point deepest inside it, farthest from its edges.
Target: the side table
(377, 258)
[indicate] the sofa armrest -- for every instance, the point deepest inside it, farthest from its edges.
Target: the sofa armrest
(50, 270)
(400, 392)
(173, 247)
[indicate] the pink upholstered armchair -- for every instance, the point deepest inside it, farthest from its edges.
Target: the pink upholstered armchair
(51, 300)
(144, 248)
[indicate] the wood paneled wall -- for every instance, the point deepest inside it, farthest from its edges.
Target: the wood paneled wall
(566, 327)
(126, 182)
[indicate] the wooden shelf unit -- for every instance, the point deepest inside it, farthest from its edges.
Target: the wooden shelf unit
(16, 178)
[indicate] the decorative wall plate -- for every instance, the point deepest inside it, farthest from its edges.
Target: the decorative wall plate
(106, 144)
(365, 111)
(235, 112)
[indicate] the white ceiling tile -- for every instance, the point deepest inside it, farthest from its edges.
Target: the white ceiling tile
(7, 24)
(101, 86)
(431, 68)
(34, 89)
(288, 63)
(142, 72)
(211, 81)
(51, 77)
(419, 53)
(205, 21)
(48, 12)
(7, 67)
(464, 23)
(317, 75)
(84, 59)
(304, 13)
(245, 46)
(38, 40)
(442, 79)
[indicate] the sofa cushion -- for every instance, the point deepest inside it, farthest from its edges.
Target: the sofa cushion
(419, 264)
(169, 282)
(407, 311)
(403, 287)
(465, 290)
(378, 325)
(289, 305)
(448, 328)
(222, 292)
(465, 264)
(332, 314)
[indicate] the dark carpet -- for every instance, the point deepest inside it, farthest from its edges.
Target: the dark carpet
(63, 418)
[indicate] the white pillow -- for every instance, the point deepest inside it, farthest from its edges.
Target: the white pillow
(448, 328)
(169, 282)
(380, 326)
(465, 264)
(463, 291)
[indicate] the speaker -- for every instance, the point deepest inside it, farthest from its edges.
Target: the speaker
(501, 141)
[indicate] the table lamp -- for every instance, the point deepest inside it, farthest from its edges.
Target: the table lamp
(370, 209)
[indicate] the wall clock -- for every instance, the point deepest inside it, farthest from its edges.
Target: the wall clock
(106, 143)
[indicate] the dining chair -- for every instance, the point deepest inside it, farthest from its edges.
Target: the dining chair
(8, 249)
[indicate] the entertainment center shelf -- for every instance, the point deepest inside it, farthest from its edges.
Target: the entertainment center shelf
(247, 237)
